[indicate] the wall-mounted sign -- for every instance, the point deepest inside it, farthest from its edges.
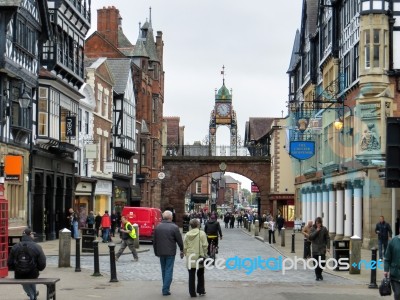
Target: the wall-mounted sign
(254, 188)
(302, 149)
(91, 151)
(70, 126)
(13, 167)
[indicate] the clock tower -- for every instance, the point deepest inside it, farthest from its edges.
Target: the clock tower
(223, 115)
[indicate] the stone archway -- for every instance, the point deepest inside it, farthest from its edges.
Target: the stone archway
(180, 172)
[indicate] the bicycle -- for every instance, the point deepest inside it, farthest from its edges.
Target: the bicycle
(212, 248)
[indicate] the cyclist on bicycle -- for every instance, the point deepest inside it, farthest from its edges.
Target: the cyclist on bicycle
(213, 229)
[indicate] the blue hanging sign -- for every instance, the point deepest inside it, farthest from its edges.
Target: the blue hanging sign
(302, 149)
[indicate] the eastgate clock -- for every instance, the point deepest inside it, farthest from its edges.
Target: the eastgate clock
(223, 109)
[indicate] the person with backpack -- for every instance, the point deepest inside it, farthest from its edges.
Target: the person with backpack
(27, 259)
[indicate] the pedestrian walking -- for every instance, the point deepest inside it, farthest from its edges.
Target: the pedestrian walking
(195, 246)
(114, 220)
(73, 221)
(391, 265)
(166, 237)
(27, 259)
(384, 232)
(90, 220)
(280, 222)
(320, 243)
(307, 243)
(128, 237)
(97, 223)
(271, 231)
(106, 226)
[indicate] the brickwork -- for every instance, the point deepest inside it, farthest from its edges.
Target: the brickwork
(181, 171)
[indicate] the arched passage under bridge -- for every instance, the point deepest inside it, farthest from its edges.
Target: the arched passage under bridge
(181, 171)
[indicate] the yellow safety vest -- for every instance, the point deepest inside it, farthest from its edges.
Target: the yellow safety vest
(132, 234)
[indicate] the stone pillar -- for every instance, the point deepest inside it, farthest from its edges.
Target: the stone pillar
(358, 208)
(64, 249)
(332, 211)
(303, 205)
(339, 212)
(355, 254)
(309, 214)
(325, 206)
(319, 201)
(348, 209)
(313, 203)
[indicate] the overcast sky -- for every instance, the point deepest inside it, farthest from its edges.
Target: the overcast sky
(253, 39)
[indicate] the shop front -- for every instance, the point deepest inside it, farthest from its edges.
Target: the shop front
(283, 204)
(103, 194)
(83, 203)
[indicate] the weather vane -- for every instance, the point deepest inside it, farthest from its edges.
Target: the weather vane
(223, 74)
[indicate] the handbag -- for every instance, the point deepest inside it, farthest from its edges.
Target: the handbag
(385, 288)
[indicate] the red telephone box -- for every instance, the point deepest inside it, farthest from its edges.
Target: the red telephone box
(3, 233)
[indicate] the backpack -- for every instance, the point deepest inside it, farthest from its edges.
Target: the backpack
(25, 261)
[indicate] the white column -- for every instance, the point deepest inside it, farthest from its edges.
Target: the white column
(358, 191)
(332, 210)
(303, 205)
(313, 204)
(309, 214)
(319, 201)
(348, 209)
(339, 211)
(325, 206)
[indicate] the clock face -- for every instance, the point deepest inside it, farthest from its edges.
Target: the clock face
(223, 109)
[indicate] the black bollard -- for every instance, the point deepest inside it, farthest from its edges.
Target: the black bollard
(78, 254)
(113, 268)
(96, 258)
(293, 236)
(373, 284)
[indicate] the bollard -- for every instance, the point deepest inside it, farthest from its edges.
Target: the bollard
(355, 255)
(256, 227)
(64, 248)
(283, 237)
(372, 284)
(250, 223)
(136, 241)
(96, 258)
(293, 247)
(113, 268)
(78, 254)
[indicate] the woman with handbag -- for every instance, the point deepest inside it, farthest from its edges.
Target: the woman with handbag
(195, 247)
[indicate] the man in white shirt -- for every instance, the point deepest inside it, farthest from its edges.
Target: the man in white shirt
(271, 235)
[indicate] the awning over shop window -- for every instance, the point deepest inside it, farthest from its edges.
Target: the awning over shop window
(199, 199)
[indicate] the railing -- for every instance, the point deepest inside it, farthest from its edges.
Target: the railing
(206, 150)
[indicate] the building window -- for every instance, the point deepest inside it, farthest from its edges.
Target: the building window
(143, 155)
(80, 120)
(154, 110)
(43, 112)
(99, 101)
(154, 154)
(347, 73)
(54, 114)
(385, 49)
(356, 65)
(376, 47)
(367, 49)
(105, 106)
(198, 187)
(86, 122)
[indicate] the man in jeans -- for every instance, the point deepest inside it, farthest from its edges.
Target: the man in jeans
(128, 237)
(166, 236)
(384, 232)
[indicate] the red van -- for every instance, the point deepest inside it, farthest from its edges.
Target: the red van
(147, 219)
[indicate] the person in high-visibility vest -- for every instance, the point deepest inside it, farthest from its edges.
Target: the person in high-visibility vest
(128, 237)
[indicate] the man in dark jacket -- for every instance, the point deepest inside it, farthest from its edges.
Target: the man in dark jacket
(320, 242)
(38, 256)
(391, 265)
(213, 229)
(384, 232)
(166, 236)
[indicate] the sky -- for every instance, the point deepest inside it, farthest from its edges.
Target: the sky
(253, 40)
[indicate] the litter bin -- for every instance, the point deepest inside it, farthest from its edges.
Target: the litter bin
(88, 236)
(341, 249)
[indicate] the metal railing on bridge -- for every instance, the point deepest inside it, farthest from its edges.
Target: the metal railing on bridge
(207, 150)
